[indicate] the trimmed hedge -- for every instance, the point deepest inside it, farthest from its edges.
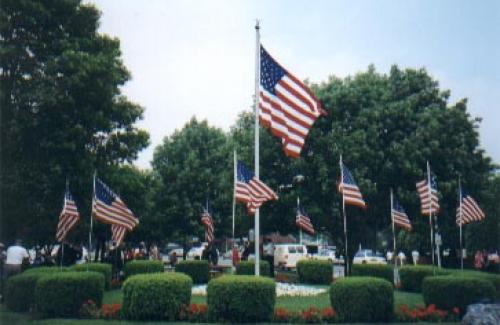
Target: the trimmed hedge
(412, 276)
(19, 289)
(241, 298)
(198, 270)
(47, 269)
(493, 278)
(142, 266)
(103, 268)
(248, 268)
(362, 299)
(157, 296)
(63, 294)
(315, 271)
(447, 292)
(375, 270)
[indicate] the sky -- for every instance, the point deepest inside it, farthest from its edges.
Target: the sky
(197, 58)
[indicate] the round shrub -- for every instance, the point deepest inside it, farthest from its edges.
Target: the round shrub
(493, 278)
(412, 276)
(63, 294)
(241, 298)
(157, 296)
(248, 268)
(362, 299)
(19, 289)
(142, 266)
(198, 270)
(315, 271)
(447, 292)
(375, 270)
(103, 268)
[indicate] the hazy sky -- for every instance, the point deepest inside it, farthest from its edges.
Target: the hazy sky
(196, 58)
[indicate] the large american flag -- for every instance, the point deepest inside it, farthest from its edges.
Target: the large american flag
(68, 218)
(470, 210)
(349, 189)
(429, 201)
(107, 207)
(287, 107)
(208, 223)
(303, 221)
(399, 216)
(250, 190)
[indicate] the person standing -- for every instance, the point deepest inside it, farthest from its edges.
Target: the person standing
(16, 255)
(415, 256)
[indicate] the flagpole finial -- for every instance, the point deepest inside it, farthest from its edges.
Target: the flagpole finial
(257, 24)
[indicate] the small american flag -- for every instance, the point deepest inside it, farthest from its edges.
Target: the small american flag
(304, 222)
(470, 210)
(287, 107)
(399, 216)
(251, 190)
(107, 207)
(429, 200)
(349, 189)
(208, 223)
(68, 218)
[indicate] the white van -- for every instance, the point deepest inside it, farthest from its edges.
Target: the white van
(287, 255)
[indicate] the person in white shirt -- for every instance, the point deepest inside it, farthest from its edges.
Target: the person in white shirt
(16, 254)
(415, 256)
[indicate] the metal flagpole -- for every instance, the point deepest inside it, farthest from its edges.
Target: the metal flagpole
(460, 220)
(430, 211)
(345, 219)
(298, 212)
(64, 208)
(91, 222)
(234, 191)
(394, 255)
(256, 111)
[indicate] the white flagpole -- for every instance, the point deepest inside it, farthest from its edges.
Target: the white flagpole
(91, 222)
(460, 220)
(64, 208)
(429, 189)
(394, 254)
(298, 212)
(234, 190)
(256, 111)
(345, 219)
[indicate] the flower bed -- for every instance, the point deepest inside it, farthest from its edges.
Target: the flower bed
(282, 290)
(427, 314)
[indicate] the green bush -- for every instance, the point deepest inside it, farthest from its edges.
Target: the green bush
(315, 271)
(19, 289)
(103, 268)
(375, 270)
(198, 270)
(248, 268)
(241, 298)
(362, 299)
(493, 278)
(447, 292)
(156, 296)
(142, 266)
(63, 294)
(47, 269)
(412, 276)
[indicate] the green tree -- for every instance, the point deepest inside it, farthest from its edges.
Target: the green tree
(193, 165)
(62, 113)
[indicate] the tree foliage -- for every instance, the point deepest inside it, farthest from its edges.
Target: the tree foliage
(62, 115)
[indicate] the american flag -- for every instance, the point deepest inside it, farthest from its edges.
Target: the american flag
(429, 200)
(470, 210)
(68, 218)
(399, 216)
(251, 190)
(109, 208)
(287, 107)
(303, 221)
(349, 189)
(208, 223)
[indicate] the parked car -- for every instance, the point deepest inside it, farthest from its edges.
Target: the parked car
(367, 256)
(287, 255)
(328, 255)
